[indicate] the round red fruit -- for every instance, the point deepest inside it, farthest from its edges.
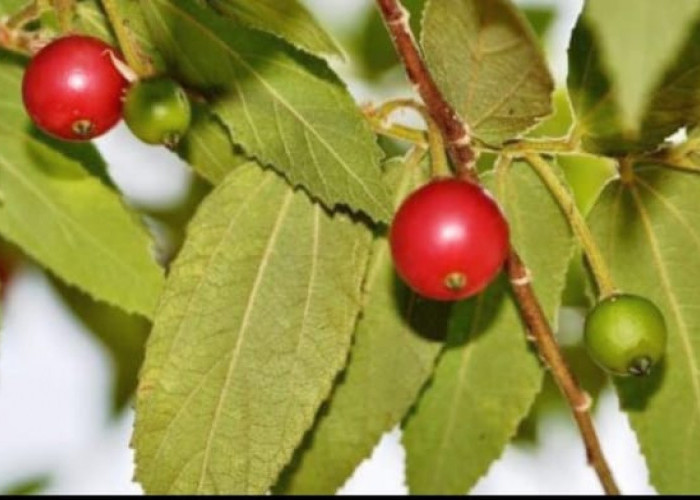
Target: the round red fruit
(72, 89)
(449, 239)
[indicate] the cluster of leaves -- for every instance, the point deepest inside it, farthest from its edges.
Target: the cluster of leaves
(282, 344)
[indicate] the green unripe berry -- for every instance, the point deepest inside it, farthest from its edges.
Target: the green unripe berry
(626, 334)
(157, 111)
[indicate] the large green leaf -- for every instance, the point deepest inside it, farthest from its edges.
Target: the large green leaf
(66, 219)
(649, 233)
(289, 20)
(254, 325)
(634, 105)
(487, 378)
(637, 56)
(396, 343)
(488, 63)
(282, 106)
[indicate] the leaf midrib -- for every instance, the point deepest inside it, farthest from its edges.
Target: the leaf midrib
(240, 336)
(190, 301)
(668, 290)
(465, 357)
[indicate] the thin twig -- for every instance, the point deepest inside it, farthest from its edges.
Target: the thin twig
(438, 161)
(413, 136)
(458, 138)
(455, 131)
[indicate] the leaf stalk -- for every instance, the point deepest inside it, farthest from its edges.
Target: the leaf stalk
(599, 268)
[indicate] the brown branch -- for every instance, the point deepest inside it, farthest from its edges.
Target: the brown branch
(458, 138)
(454, 130)
(541, 334)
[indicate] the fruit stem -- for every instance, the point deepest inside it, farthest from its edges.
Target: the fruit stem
(133, 54)
(458, 138)
(599, 268)
(411, 135)
(438, 163)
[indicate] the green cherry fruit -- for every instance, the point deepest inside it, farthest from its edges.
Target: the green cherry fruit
(157, 111)
(625, 334)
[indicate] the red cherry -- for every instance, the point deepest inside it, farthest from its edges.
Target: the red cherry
(72, 89)
(449, 239)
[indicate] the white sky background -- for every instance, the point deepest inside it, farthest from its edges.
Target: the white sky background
(54, 379)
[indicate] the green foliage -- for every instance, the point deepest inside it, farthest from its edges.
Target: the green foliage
(489, 65)
(254, 325)
(487, 378)
(396, 343)
(289, 20)
(207, 146)
(8, 7)
(373, 53)
(80, 229)
(283, 344)
(649, 232)
(283, 107)
(371, 46)
(90, 18)
(631, 90)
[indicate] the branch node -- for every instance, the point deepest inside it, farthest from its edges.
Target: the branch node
(400, 17)
(462, 141)
(523, 280)
(584, 405)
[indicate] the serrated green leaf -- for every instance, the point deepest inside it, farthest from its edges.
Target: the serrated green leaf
(284, 107)
(254, 325)
(487, 378)
(488, 63)
(649, 233)
(394, 350)
(207, 147)
(608, 119)
(66, 219)
(289, 20)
